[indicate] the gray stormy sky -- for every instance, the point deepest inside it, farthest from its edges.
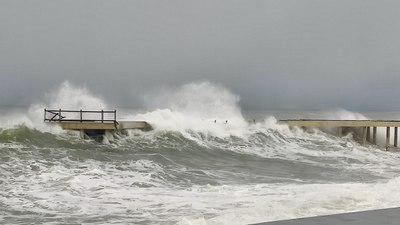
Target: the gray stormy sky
(275, 54)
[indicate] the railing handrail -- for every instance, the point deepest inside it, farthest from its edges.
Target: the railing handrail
(57, 115)
(84, 111)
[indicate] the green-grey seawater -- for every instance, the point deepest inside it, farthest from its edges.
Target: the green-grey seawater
(189, 177)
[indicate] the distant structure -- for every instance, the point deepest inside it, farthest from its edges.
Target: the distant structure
(364, 124)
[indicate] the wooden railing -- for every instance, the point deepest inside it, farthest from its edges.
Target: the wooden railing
(59, 115)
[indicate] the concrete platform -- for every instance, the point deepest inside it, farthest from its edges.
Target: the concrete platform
(341, 123)
(91, 123)
(134, 125)
(106, 125)
(364, 124)
(374, 217)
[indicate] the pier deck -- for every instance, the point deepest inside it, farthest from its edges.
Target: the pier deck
(340, 124)
(117, 125)
(91, 123)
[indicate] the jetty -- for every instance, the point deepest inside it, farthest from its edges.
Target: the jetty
(390, 216)
(91, 123)
(339, 125)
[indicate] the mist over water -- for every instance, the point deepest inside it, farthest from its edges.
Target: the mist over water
(205, 162)
(199, 107)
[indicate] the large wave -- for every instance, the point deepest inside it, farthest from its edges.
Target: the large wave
(203, 163)
(65, 96)
(202, 115)
(200, 107)
(202, 112)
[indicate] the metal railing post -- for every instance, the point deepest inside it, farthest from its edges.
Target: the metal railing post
(104, 115)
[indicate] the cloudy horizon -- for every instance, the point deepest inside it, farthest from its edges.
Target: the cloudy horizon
(300, 55)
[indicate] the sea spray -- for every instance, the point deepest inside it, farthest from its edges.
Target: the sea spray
(65, 96)
(202, 107)
(193, 168)
(70, 96)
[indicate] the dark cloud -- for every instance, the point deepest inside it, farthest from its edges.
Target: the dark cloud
(274, 54)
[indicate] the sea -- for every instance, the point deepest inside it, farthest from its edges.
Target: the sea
(206, 161)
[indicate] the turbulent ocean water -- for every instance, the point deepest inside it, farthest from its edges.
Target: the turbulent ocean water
(193, 168)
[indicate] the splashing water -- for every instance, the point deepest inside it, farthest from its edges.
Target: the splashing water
(193, 168)
(201, 107)
(65, 96)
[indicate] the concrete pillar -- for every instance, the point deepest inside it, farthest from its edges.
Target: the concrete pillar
(374, 131)
(369, 134)
(340, 132)
(82, 134)
(387, 138)
(364, 135)
(395, 136)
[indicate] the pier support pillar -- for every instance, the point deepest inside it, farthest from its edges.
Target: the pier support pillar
(340, 132)
(369, 134)
(364, 135)
(395, 136)
(387, 138)
(374, 131)
(82, 134)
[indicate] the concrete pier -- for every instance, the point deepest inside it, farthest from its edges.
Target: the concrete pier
(373, 217)
(117, 125)
(364, 124)
(341, 123)
(91, 123)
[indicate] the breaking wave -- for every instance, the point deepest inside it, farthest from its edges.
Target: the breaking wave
(205, 162)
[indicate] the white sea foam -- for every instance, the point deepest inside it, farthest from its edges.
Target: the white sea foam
(199, 111)
(70, 182)
(66, 96)
(136, 191)
(262, 203)
(201, 107)
(70, 96)
(341, 114)
(193, 108)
